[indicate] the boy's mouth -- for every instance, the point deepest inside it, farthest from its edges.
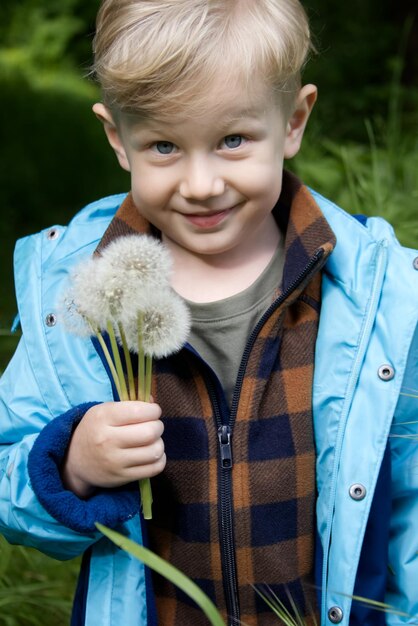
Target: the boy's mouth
(207, 220)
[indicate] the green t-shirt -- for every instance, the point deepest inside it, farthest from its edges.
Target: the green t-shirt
(220, 329)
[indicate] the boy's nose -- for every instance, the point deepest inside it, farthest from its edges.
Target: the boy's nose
(200, 181)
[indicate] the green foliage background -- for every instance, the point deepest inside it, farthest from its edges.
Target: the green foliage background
(361, 150)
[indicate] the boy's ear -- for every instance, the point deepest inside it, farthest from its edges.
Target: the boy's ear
(296, 125)
(112, 133)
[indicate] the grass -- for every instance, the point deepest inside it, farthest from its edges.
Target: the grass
(377, 178)
(292, 617)
(34, 589)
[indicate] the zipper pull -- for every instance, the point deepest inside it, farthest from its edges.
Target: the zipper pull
(224, 436)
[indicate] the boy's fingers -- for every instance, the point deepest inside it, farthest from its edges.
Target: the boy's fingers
(137, 457)
(139, 434)
(128, 412)
(146, 471)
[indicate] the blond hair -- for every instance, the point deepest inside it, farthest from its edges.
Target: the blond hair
(161, 56)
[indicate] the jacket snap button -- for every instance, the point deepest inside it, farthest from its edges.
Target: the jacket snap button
(415, 263)
(386, 372)
(52, 233)
(335, 615)
(51, 319)
(357, 491)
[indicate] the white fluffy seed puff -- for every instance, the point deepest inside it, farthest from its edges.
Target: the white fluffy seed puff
(96, 293)
(69, 313)
(161, 323)
(140, 258)
(103, 286)
(128, 285)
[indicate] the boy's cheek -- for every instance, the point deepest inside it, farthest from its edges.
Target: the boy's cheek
(261, 182)
(147, 190)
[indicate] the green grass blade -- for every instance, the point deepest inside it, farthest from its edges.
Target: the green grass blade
(277, 606)
(167, 570)
(379, 606)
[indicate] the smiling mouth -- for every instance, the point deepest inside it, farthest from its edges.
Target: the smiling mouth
(207, 220)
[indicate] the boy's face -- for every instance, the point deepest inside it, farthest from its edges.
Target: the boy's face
(210, 182)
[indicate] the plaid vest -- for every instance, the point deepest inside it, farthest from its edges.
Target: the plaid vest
(234, 508)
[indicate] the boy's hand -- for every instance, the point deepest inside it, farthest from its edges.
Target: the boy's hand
(115, 443)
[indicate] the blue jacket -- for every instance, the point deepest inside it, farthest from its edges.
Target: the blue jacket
(366, 374)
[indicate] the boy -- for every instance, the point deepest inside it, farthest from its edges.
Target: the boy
(202, 102)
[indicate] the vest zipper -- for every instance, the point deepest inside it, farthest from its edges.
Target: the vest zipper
(225, 504)
(226, 527)
(225, 513)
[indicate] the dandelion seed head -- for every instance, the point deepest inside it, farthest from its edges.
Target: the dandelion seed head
(112, 296)
(70, 316)
(98, 291)
(165, 323)
(141, 259)
(114, 286)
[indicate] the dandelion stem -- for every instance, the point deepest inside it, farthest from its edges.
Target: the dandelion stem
(144, 395)
(148, 377)
(109, 361)
(146, 497)
(128, 361)
(117, 360)
(141, 361)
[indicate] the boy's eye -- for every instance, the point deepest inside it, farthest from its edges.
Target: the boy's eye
(164, 147)
(233, 141)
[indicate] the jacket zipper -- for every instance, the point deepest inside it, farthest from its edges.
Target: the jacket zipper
(225, 505)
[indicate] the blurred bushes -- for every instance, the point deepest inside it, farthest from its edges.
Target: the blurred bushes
(57, 158)
(54, 158)
(360, 45)
(52, 33)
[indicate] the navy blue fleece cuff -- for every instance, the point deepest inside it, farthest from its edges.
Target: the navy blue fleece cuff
(107, 506)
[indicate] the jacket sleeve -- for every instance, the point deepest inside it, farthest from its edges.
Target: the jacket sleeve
(53, 519)
(107, 506)
(403, 548)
